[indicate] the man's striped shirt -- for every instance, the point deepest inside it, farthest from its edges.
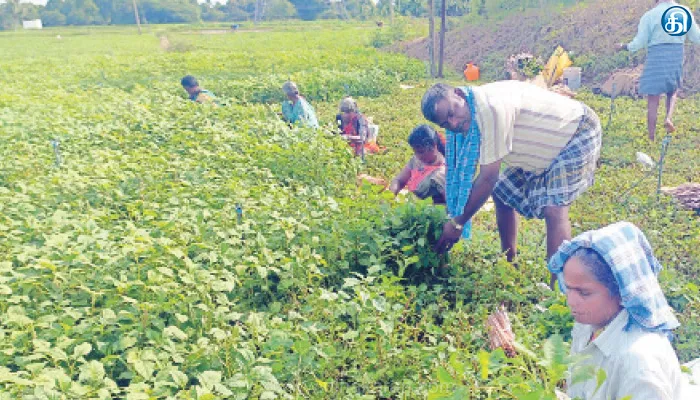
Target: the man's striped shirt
(524, 125)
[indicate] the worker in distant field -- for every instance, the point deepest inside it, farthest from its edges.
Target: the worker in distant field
(551, 144)
(623, 321)
(663, 68)
(196, 93)
(424, 175)
(296, 110)
(354, 127)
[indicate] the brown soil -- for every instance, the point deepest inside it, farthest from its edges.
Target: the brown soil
(589, 31)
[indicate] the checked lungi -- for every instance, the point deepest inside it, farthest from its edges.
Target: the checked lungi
(663, 69)
(570, 174)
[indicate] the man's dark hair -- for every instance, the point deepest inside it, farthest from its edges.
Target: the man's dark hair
(431, 98)
(189, 81)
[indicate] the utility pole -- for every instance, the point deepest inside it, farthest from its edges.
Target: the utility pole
(344, 9)
(443, 28)
(391, 11)
(256, 17)
(136, 15)
(431, 43)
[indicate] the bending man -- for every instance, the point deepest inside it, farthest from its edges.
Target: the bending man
(549, 142)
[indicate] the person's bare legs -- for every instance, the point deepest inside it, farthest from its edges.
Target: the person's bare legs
(558, 230)
(507, 221)
(670, 107)
(652, 113)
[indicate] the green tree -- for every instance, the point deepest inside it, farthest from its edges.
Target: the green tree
(458, 7)
(361, 8)
(309, 9)
(482, 9)
(9, 14)
(210, 12)
(416, 8)
(12, 13)
(121, 11)
(72, 12)
(172, 11)
(81, 12)
(52, 18)
(107, 9)
(29, 11)
(279, 9)
(239, 10)
(419, 8)
(84, 12)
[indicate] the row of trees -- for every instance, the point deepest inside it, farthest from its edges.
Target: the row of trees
(102, 12)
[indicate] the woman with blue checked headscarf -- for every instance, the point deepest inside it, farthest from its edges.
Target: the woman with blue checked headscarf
(549, 142)
(623, 322)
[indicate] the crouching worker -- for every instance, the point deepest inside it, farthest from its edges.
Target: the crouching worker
(296, 110)
(623, 322)
(424, 175)
(195, 92)
(354, 127)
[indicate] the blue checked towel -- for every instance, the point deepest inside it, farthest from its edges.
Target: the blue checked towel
(462, 158)
(628, 253)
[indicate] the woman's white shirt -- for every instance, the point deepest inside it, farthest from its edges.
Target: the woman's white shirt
(637, 363)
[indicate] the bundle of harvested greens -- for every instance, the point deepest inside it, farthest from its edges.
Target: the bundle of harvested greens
(500, 332)
(688, 195)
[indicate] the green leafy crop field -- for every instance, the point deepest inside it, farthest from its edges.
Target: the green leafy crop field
(152, 248)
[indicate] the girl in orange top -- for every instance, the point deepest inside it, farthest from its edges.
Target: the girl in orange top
(424, 175)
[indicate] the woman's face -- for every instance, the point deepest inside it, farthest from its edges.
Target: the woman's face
(426, 154)
(590, 301)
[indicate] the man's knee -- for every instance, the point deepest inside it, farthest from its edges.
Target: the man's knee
(500, 205)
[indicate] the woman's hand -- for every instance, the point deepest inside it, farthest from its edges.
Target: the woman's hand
(400, 181)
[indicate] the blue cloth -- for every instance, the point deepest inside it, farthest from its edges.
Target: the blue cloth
(651, 33)
(300, 112)
(628, 253)
(462, 157)
(663, 69)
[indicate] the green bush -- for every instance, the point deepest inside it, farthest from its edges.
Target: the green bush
(385, 36)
